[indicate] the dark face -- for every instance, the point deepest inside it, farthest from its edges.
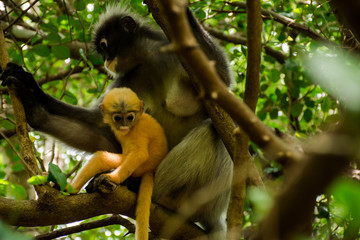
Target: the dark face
(114, 41)
(124, 121)
(121, 117)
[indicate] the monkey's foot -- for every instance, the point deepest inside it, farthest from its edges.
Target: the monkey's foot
(103, 184)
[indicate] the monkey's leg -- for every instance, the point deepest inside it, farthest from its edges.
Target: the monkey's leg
(143, 206)
(131, 163)
(101, 161)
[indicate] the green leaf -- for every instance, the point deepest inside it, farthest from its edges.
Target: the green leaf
(3, 187)
(308, 102)
(347, 193)
(2, 174)
(284, 103)
(53, 38)
(17, 191)
(262, 114)
(296, 109)
(326, 104)
(70, 98)
(244, 50)
(323, 211)
(61, 51)
(18, 167)
(307, 115)
(96, 59)
(57, 176)
(275, 75)
(79, 5)
(34, 39)
(41, 50)
(37, 180)
(6, 233)
(200, 14)
(274, 113)
(49, 27)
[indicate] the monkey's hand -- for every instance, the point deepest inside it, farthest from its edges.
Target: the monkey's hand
(32, 96)
(103, 184)
(23, 81)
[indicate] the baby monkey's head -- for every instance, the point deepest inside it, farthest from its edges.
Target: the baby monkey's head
(121, 109)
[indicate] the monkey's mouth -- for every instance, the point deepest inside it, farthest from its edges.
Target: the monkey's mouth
(124, 130)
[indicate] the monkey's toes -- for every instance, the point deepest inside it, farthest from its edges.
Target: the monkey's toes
(103, 184)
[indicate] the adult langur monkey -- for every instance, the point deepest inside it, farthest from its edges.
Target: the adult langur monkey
(130, 47)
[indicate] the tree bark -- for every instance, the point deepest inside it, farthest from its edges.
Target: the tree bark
(65, 209)
(26, 146)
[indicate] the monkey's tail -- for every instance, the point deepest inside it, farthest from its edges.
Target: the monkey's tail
(143, 206)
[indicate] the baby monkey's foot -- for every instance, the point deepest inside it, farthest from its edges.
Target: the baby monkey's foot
(103, 184)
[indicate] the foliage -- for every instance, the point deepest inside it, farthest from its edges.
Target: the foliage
(52, 41)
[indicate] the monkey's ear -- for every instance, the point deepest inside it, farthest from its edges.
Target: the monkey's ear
(142, 104)
(128, 23)
(101, 107)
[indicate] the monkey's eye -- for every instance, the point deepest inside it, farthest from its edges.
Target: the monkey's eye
(117, 117)
(103, 44)
(131, 116)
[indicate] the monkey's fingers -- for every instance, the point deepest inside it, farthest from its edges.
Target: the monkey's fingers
(103, 184)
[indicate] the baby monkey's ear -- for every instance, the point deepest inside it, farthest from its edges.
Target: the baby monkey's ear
(101, 107)
(142, 104)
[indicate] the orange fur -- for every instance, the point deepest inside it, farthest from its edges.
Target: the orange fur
(144, 146)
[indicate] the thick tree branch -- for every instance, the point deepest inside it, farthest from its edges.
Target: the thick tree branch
(26, 145)
(242, 160)
(65, 209)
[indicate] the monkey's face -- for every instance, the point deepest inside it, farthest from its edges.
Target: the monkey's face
(114, 40)
(123, 122)
(121, 109)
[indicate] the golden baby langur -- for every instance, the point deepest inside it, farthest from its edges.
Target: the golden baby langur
(143, 143)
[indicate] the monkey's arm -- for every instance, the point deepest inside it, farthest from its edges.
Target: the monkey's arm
(79, 127)
(136, 155)
(100, 162)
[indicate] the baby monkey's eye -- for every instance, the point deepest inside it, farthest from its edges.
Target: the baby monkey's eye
(103, 44)
(131, 116)
(117, 117)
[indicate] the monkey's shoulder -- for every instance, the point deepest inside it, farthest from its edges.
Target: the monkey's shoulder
(147, 125)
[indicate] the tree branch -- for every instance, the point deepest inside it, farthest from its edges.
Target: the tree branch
(115, 219)
(290, 23)
(242, 159)
(26, 146)
(252, 84)
(243, 41)
(235, 213)
(65, 209)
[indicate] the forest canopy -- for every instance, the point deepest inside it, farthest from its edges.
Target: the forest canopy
(306, 92)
